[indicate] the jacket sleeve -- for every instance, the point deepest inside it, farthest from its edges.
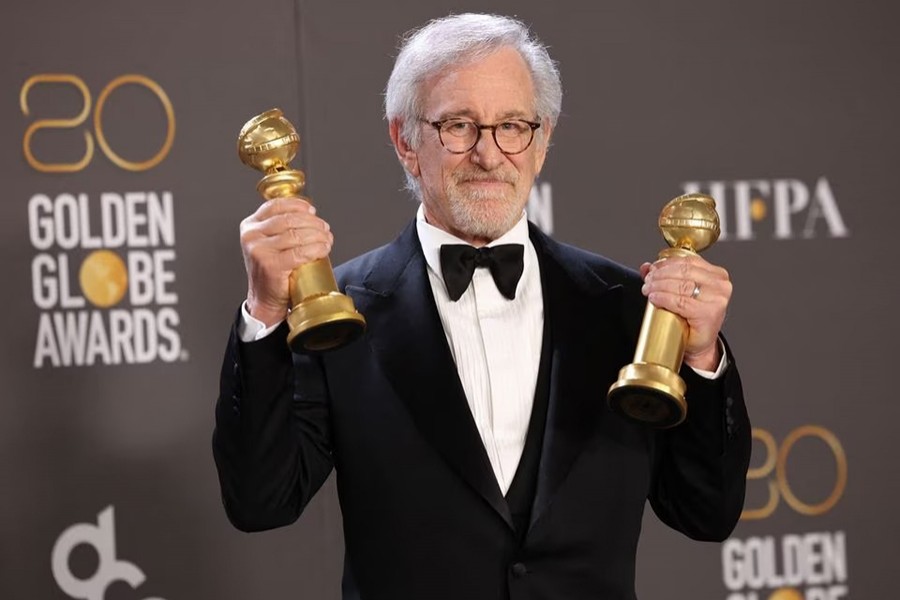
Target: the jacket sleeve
(272, 440)
(700, 466)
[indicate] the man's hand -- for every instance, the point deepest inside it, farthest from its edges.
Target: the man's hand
(281, 235)
(699, 292)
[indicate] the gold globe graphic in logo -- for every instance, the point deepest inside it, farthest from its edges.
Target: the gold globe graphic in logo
(758, 209)
(103, 278)
(786, 594)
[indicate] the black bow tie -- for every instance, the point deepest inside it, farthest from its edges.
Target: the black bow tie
(459, 261)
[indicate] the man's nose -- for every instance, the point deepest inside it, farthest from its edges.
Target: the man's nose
(486, 152)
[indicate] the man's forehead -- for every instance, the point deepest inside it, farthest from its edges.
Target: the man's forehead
(475, 115)
(497, 87)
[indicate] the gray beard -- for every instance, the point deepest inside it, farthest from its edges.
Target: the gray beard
(484, 214)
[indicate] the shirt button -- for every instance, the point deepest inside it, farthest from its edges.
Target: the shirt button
(519, 570)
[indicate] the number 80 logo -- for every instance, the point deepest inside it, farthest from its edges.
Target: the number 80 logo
(776, 460)
(69, 123)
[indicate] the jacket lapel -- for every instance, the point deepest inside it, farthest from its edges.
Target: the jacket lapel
(589, 345)
(406, 335)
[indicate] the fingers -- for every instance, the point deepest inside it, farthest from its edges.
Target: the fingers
(694, 289)
(697, 291)
(645, 268)
(282, 236)
(284, 205)
(687, 267)
(676, 279)
(283, 224)
(274, 216)
(279, 236)
(278, 223)
(289, 259)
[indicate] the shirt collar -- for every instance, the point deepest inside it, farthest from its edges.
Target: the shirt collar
(432, 238)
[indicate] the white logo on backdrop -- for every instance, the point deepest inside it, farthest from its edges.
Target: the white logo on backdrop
(783, 209)
(790, 566)
(102, 537)
(810, 566)
(95, 257)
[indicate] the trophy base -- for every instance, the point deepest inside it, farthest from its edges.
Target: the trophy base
(324, 323)
(649, 394)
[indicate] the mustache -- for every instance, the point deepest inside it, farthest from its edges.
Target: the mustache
(501, 176)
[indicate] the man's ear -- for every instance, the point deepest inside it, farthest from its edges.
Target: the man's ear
(407, 155)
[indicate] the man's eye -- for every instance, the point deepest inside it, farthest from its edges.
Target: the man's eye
(511, 127)
(457, 127)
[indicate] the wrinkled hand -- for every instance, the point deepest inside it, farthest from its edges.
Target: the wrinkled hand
(281, 235)
(670, 284)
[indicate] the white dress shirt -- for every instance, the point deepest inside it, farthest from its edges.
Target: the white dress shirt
(495, 342)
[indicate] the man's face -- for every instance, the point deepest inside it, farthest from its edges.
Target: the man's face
(479, 195)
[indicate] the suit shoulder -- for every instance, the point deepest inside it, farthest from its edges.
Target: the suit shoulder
(379, 269)
(610, 271)
(354, 271)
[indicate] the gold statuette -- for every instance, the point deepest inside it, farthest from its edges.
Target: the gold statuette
(649, 390)
(321, 318)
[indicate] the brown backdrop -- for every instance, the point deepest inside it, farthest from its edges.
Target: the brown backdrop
(788, 114)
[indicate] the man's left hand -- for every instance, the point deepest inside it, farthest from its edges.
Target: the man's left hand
(697, 291)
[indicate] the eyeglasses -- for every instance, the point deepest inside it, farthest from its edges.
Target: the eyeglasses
(461, 135)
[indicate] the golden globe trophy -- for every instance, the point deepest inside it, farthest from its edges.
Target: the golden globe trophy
(649, 390)
(321, 318)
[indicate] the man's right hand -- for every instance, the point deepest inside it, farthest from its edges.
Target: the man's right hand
(281, 235)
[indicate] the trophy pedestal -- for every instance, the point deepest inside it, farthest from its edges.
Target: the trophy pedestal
(321, 317)
(323, 323)
(650, 394)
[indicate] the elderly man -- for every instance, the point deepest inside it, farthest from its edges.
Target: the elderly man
(475, 455)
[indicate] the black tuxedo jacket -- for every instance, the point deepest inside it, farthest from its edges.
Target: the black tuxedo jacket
(424, 518)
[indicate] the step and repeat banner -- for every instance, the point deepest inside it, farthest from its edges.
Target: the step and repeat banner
(123, 194)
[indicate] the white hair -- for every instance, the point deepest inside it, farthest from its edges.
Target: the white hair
(455, 41)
